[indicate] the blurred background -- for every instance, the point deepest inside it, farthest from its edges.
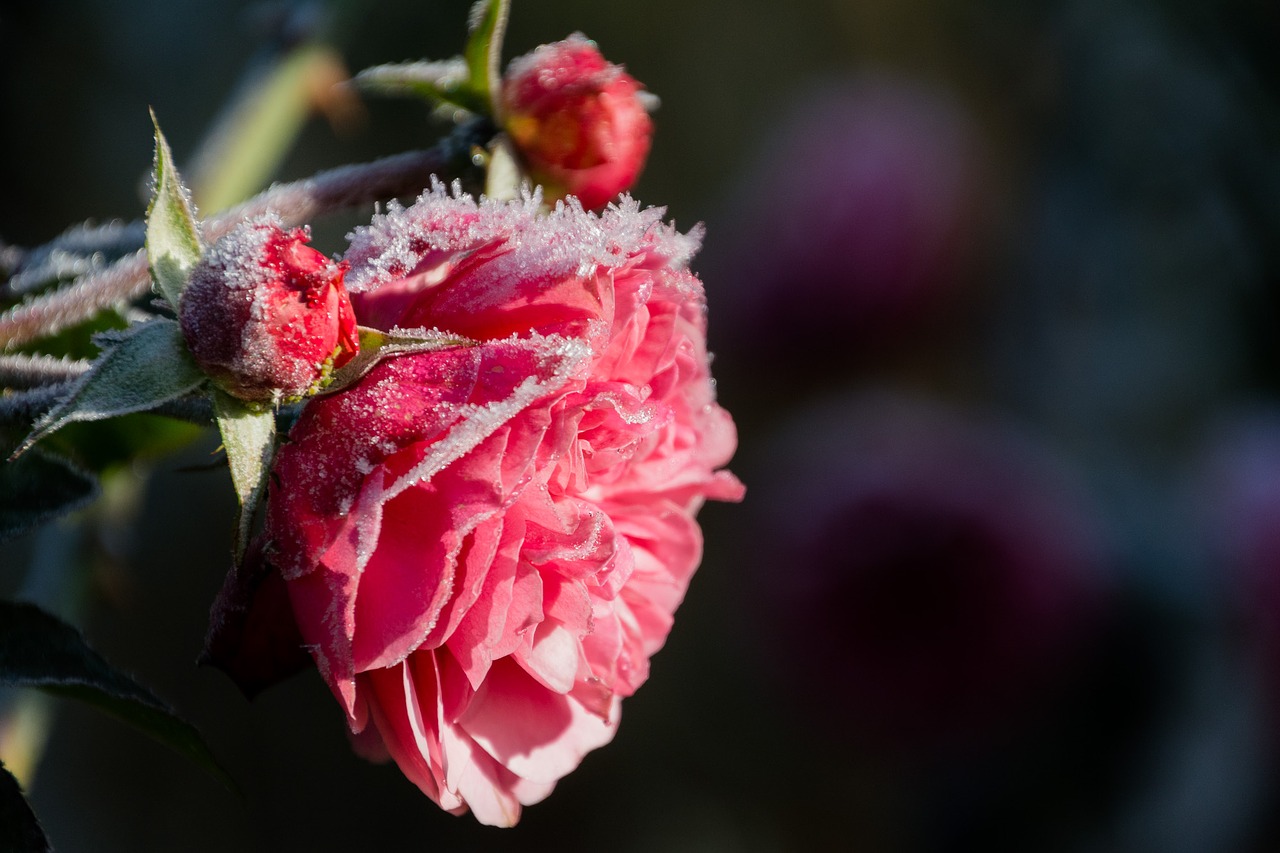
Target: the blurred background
(994, 295)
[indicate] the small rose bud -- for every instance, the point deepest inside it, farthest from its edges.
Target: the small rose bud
(266, 316)
(578, 121)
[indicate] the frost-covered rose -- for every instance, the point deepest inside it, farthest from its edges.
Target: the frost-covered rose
(578, 121)
(484, 545)
(265, 315)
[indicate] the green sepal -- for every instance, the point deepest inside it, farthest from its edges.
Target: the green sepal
(39, 650)
(470, 82)
(138, 370)
(249, 438)
(444, 84)
(173, 238)
(376, 345)
(483, 53)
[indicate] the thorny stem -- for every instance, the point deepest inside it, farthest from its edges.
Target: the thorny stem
(79, 250)
(124, 280)
(296, 203)
(30, 371)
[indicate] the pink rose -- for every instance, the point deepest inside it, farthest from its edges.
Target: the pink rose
(484, 545)
(578, 121)
(266, 316)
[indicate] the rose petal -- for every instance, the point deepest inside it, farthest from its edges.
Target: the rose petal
(540, 735)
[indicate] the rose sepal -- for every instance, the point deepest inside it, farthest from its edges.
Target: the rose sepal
(487, 27)
(444, 83)
(377, 345)
(173, 236)
(249, 439)
(467, 82)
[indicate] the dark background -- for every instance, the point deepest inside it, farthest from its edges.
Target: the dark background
(993, 294)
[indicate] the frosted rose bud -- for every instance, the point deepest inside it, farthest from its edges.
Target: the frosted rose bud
(265, 315)
(578, 121)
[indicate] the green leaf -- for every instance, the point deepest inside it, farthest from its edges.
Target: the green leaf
(20, 832)
(248, 435)
(376, 345)
(483, 53)
(37, 488)
(173, 240)
(441, 83)
(40, 650)
(469, 81)
(138, 370)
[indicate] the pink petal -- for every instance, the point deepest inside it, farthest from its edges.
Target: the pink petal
(552, 657)
(409, 577)
(324, 605)
(536, 733)
(477, 637)
(399, 720)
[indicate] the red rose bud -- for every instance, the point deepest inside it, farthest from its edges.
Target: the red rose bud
(266, 316)
(578, 121)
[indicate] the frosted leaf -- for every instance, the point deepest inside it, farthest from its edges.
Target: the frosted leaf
(173, 233)
(437, 78)
(138, 370)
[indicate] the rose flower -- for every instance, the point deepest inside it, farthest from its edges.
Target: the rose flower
(483, 545)
(578, 121)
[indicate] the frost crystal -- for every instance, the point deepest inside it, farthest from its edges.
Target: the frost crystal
(569, 241)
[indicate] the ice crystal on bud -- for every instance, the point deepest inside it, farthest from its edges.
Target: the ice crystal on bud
(265, 315)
